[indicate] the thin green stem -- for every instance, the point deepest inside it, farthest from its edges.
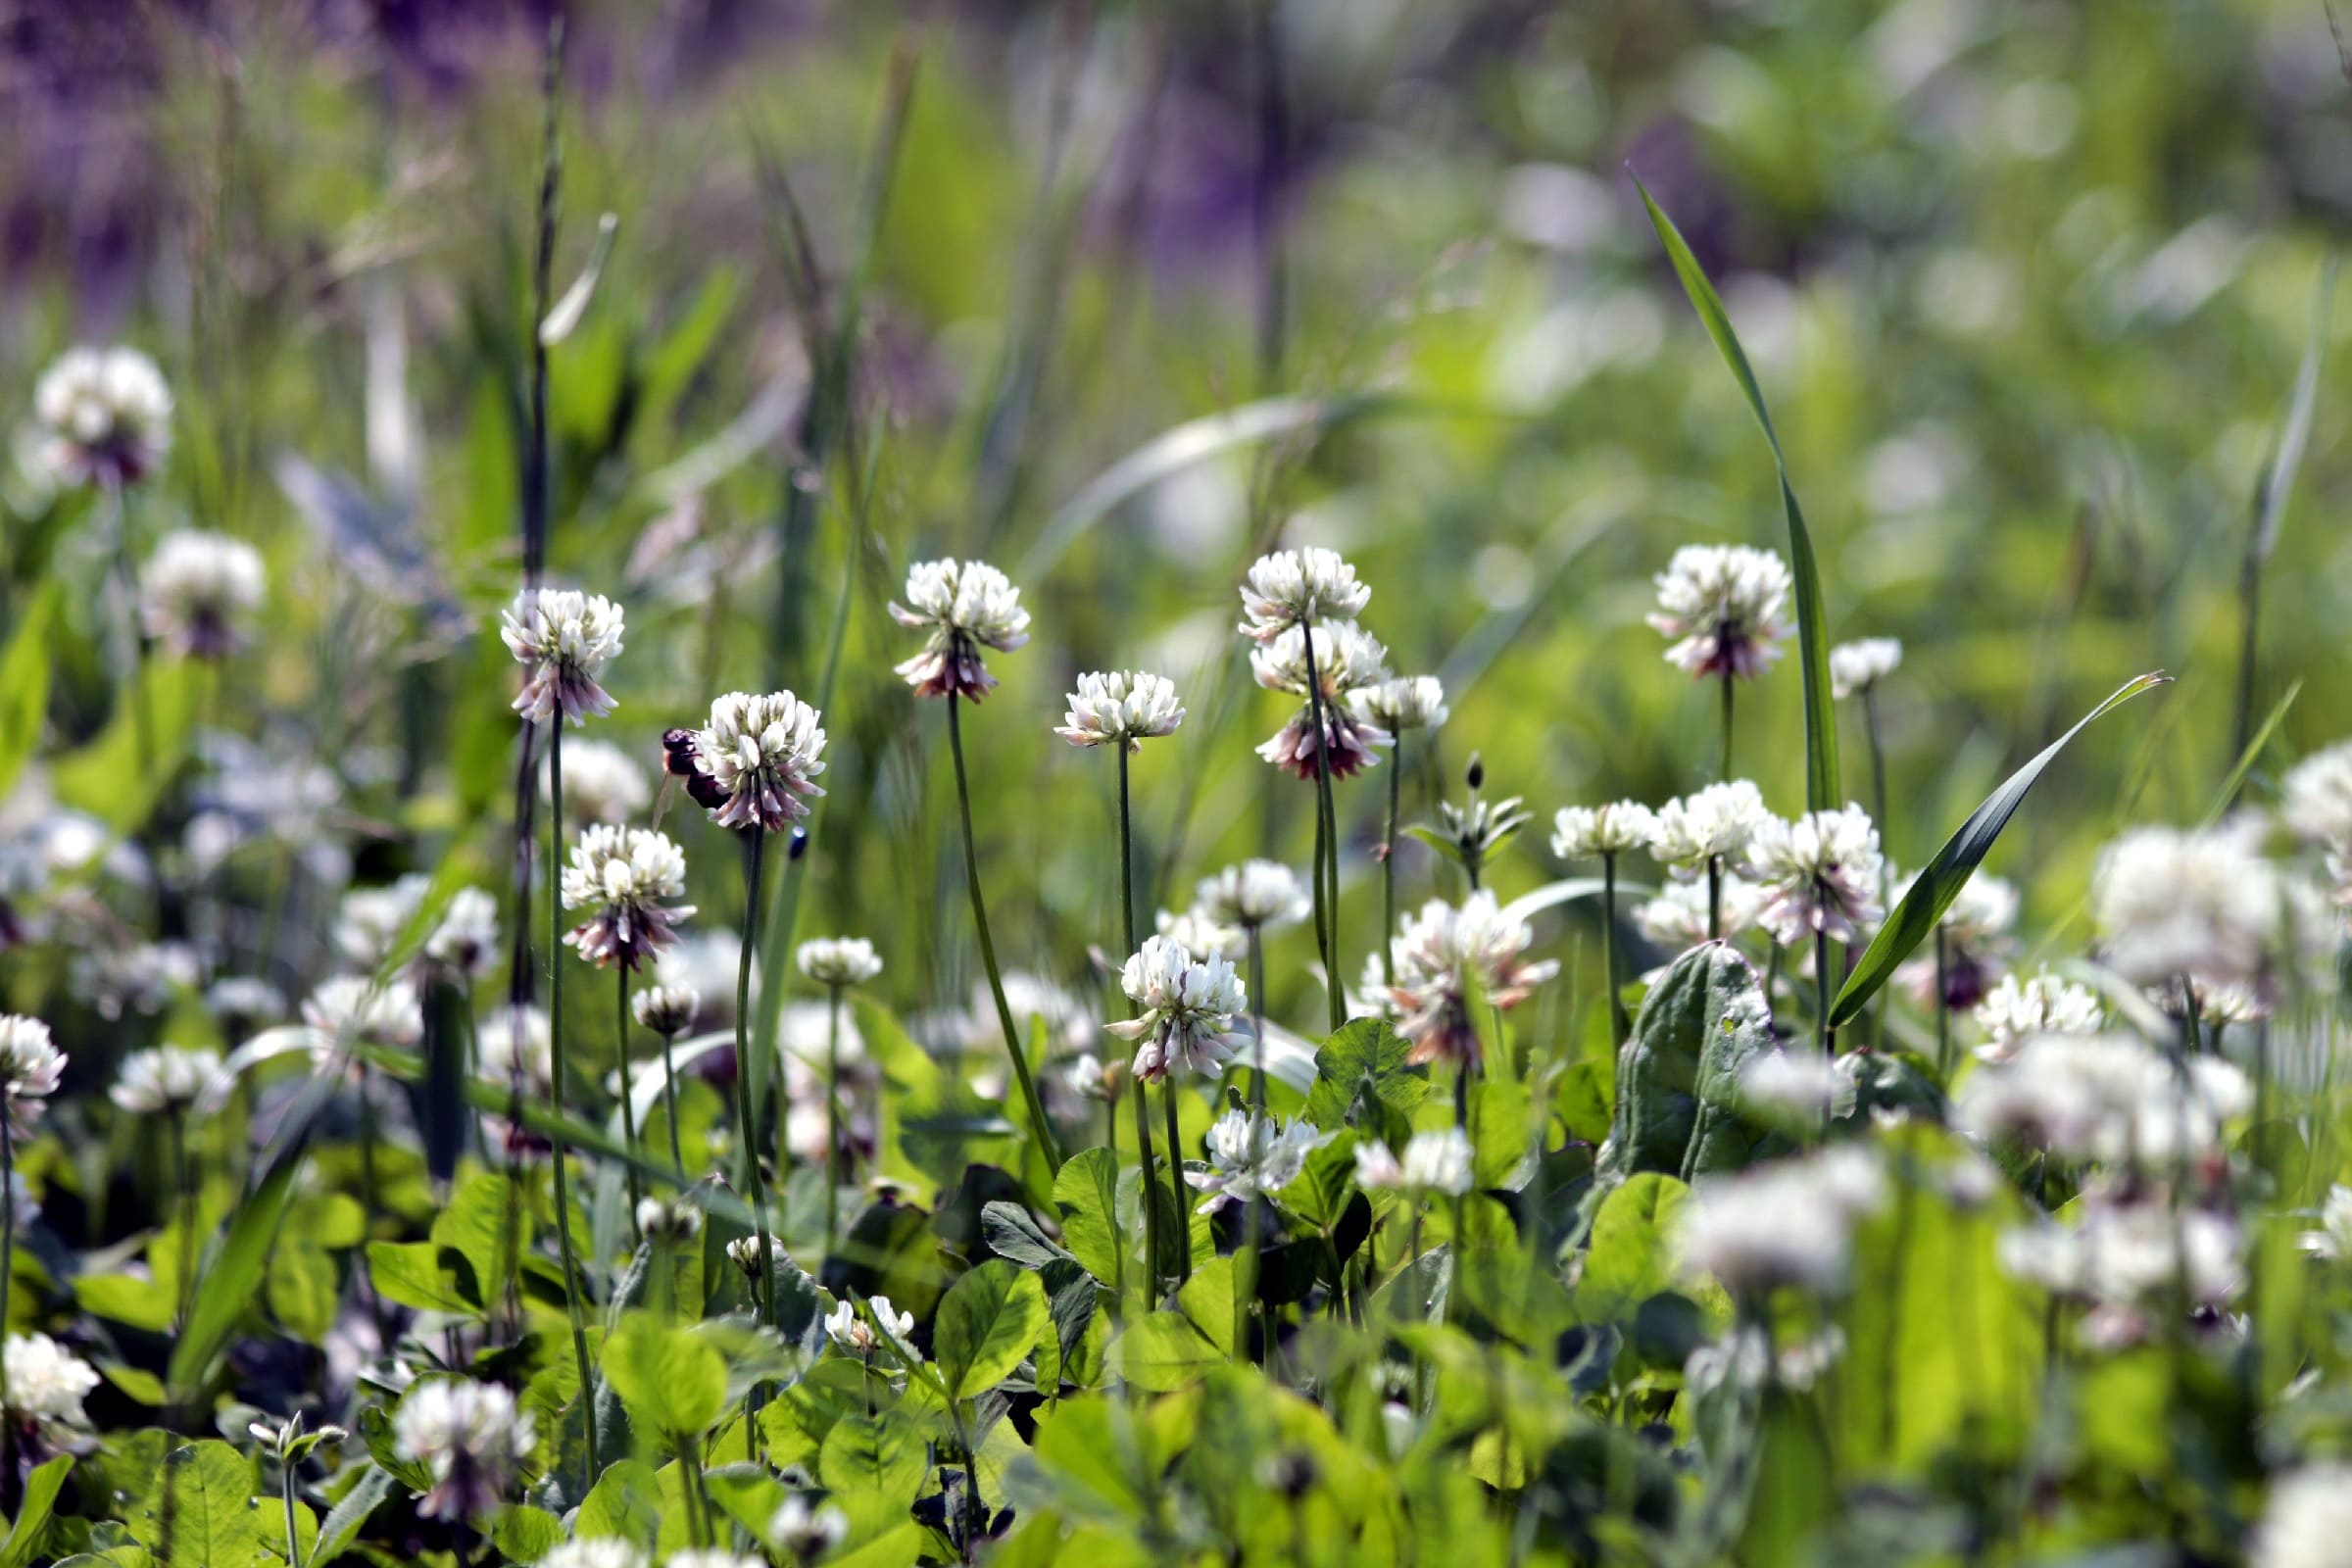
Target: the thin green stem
(286, 1467)
(1184, 1231)
(1878, 788)
(1820, 991)
(1043, 1128)
(554, 1093)
(629, 1099)
(1723, 769)
(835, 1173)
(1147, 1191)
(1327, 873)
(177, 1122)
(747, 1132)
(1619, 1026)
(669, 1101)
(8, 1239)
(1388, 864)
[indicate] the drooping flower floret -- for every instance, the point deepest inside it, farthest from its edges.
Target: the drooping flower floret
(1118, 707)
(1253, 895)
(1401, 702)
(1446, 954)
(1589, 832)
(167, 1080)
(1345, 659)
(198, 590)
(470, 1437)
(1437, 1162)
(2020, 1007)
(839, 960)
(562, 637)
(1728, 604)
(622, 875)
(1300, 587)
(1713, 824)
(1253, 1156)
(757, 760)
(1857, 666)
(1187, 1008)
(105, 416)
(1820, 874)
(961, 607)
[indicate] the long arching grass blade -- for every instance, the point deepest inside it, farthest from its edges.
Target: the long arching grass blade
(1822, 792)
(1914, 919)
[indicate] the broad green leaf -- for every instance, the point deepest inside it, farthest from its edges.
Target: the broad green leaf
(1165, 1350)
(988, 1322)
(524, 1534)
(199, 1513)
(669, 1377)
(303, 1290)
(481, 1226)
(1822, 790)
(1086, 1194)
(234, 1281)
(882, 1454)
(125, 1299)
(410, 1274)
(32, 1517)
(1318, 1195)
(625, 1502)
(1628, 1260)
(1013, 1232)
(120, 774)
(1914, 919)
(1676, 1110)
(746, 1493)
(24, 682)
(1365, 1060)
(349, 1516)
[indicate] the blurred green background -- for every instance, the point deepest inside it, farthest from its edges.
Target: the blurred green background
(2026, 286)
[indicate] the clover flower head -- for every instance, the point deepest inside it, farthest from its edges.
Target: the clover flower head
(1187, 1008)
(1591, 832)
(1679, 917)
(1728, 604)
(1438, 1162)
(839, 960)
(2126, 1258)
(46, 1384)
(1784, 1222)
(1713, 824)
(1253, 1156)
(1445, 952)
(2333, 1237)
(516, 1042)
(846, 1327)
(667, 1010)
(1300, 587)
(710, 1557)
(755, 762)
(622, 875)
(167, 1080)
(466, 939)
(745, 1252)
(1857, 666)
(369, 921)
(2315, 799)
(1253, 895)
(1346, 659)
(198, 590)
(562, 637)
(1793, 1087)
(2020, 1007)
(1401, 702)
(31, 1064)
(670, 1219)
(2203, 904)
(601, 783)
(105, 416)
(469, 1435)
(243, 998)
(1118, 707)
(1820, 874)
(808, 1531)
(607, 1551)
(2107, 1098)
(355, 1006)
(1197, 931)
(2306, 1519)
(961, 607)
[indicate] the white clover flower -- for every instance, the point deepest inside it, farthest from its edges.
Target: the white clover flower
(1346, 658)
(1820, 874)
(198, 589)
(667, 1010)
(1300, 587)
(962, 607)
(243, 998)
(355, 1005)
(1729, 607)
(1985, 909)
(2202, 904)
(757, 759)
(839, 960)
(1713, 824)
(1794, 1086)
(2307, 1519)
(140, 978)
(1784, 1222)
(46, 1384)
(1253, 1156)
(167, 1080)
(1976, 928)
(610, 1551)
(2333, 1237)
(369, 920)
(563, 637)
(1121, 707)
(2315, 799)
(1187, 1010)
(808, 1532)
(1439, 1163)
(710, 1557)
(2103, 1098)
(30, 1065)
(1678, 917)
(670, 1219)
(2042, 1004)
(623, 874)
(1197, 931)
(1256, 896)
(1589, 832)
(1402, 703)
(466, 939)
(2128, 1256)
(1857, 666)
(852, 1330)
(601, 783)
(516, 1042)
(469, 1435)
(1090, 1077)
(106, 415)
(745, 1252)
(1445, 953)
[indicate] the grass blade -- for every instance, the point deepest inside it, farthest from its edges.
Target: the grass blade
(566, 316)
(2247, 756)
(234, 1282)
(1822, 792)
(1914, 919)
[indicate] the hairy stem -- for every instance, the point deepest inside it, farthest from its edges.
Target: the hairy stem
(554, 1093)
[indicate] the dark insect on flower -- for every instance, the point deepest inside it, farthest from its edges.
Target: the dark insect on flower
(677, 761)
